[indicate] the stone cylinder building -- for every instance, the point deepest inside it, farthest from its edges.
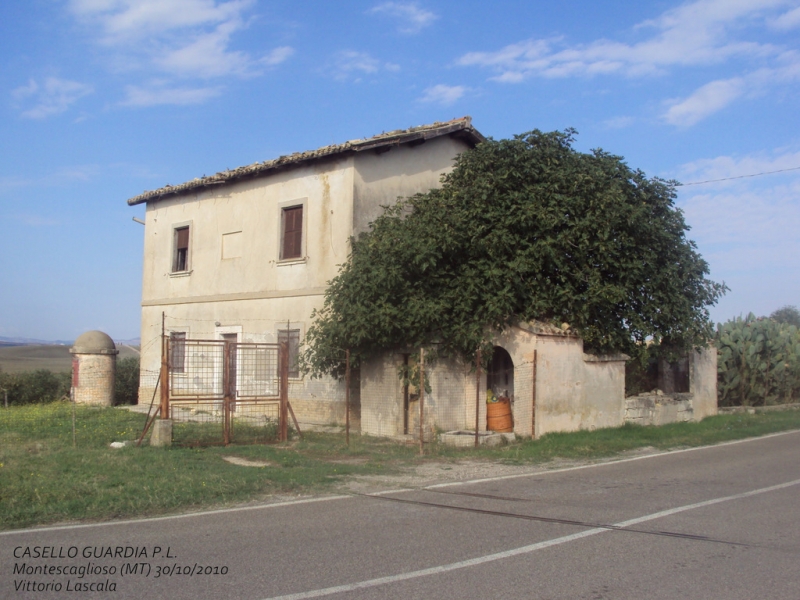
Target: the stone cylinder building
(94, 367)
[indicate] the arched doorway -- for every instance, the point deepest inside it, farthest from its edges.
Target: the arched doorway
(500, 378)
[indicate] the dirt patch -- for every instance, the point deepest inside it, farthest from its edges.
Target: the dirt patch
(244, 462)
(431, 473)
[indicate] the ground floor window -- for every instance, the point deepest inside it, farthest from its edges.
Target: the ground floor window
(293, 337)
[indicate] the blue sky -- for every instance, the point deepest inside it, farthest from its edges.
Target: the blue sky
(103, 99)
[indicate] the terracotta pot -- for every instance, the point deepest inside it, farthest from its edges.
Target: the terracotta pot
(498, 416)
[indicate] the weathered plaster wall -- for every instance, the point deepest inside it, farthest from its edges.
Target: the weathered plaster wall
(380, 179)
(604, 391)
(382, 396)
(251, 209)
(560, 381)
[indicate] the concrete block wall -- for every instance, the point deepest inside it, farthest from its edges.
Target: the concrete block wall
(703, 381)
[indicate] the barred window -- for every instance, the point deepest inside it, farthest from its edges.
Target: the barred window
(293, 337)
(177, 351)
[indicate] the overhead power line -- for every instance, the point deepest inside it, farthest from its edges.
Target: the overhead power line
(739, 177)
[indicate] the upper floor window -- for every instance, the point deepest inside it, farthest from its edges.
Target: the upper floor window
(292, 232)
(180, 253)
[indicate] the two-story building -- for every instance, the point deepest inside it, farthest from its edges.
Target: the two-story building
(246, 254)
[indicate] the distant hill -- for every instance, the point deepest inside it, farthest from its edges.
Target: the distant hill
(53, 357)
(21, 341)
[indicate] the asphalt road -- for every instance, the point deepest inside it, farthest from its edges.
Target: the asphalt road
(718, 522)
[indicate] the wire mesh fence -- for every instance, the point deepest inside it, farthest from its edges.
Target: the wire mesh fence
(223, 391)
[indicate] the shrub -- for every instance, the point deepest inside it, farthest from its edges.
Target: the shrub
(758, 362)
(35, 387)
(126, 386)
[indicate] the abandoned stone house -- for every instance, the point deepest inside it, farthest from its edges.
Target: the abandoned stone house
(244, 255)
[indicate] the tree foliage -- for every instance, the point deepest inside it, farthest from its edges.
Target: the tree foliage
(787, 314)
(521, 229)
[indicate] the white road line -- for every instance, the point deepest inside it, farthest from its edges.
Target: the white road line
(391, 491)
(524, 549)
(171, 517)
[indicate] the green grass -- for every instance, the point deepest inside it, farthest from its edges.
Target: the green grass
(16, 359)
(44, 479)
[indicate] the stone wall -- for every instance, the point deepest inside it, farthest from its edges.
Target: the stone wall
(659, 409)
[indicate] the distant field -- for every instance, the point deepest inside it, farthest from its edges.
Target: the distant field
(14, 359)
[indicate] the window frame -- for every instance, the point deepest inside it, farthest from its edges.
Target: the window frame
(176, 228)
(301, 203)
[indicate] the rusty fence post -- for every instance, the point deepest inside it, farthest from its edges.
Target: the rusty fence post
(421, 401)
(226, 391)
(284, 391)
(347, 396)
(164, 375)
(477, 395)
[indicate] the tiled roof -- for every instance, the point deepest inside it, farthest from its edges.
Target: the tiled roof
(461, 127)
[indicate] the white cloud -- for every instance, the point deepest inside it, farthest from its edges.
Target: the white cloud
(618, 122)
(747, 228)
(160, 95)
(788, 20)
(705, 101)
(412, 18)
(123, 21)
(277, 56)
(186, 39)
(51, 97)
(716, 95)
(702, 33)
(444, 95)
(722, 167)
(697, 33)
(350, 64)
(207, 55)
(35, 220)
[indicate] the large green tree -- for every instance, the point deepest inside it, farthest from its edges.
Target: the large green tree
(521, 229)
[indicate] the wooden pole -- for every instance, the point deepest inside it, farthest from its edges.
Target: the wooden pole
(533, 399)
(421, 400)
(284, 391)
(477, 395)
(405, 396)
(347, 396)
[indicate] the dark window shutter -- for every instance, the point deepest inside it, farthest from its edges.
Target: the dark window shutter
(292, 232)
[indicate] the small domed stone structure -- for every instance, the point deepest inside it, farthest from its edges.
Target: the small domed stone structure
(94, 366)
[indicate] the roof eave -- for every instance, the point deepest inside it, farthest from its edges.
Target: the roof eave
(461, 129)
